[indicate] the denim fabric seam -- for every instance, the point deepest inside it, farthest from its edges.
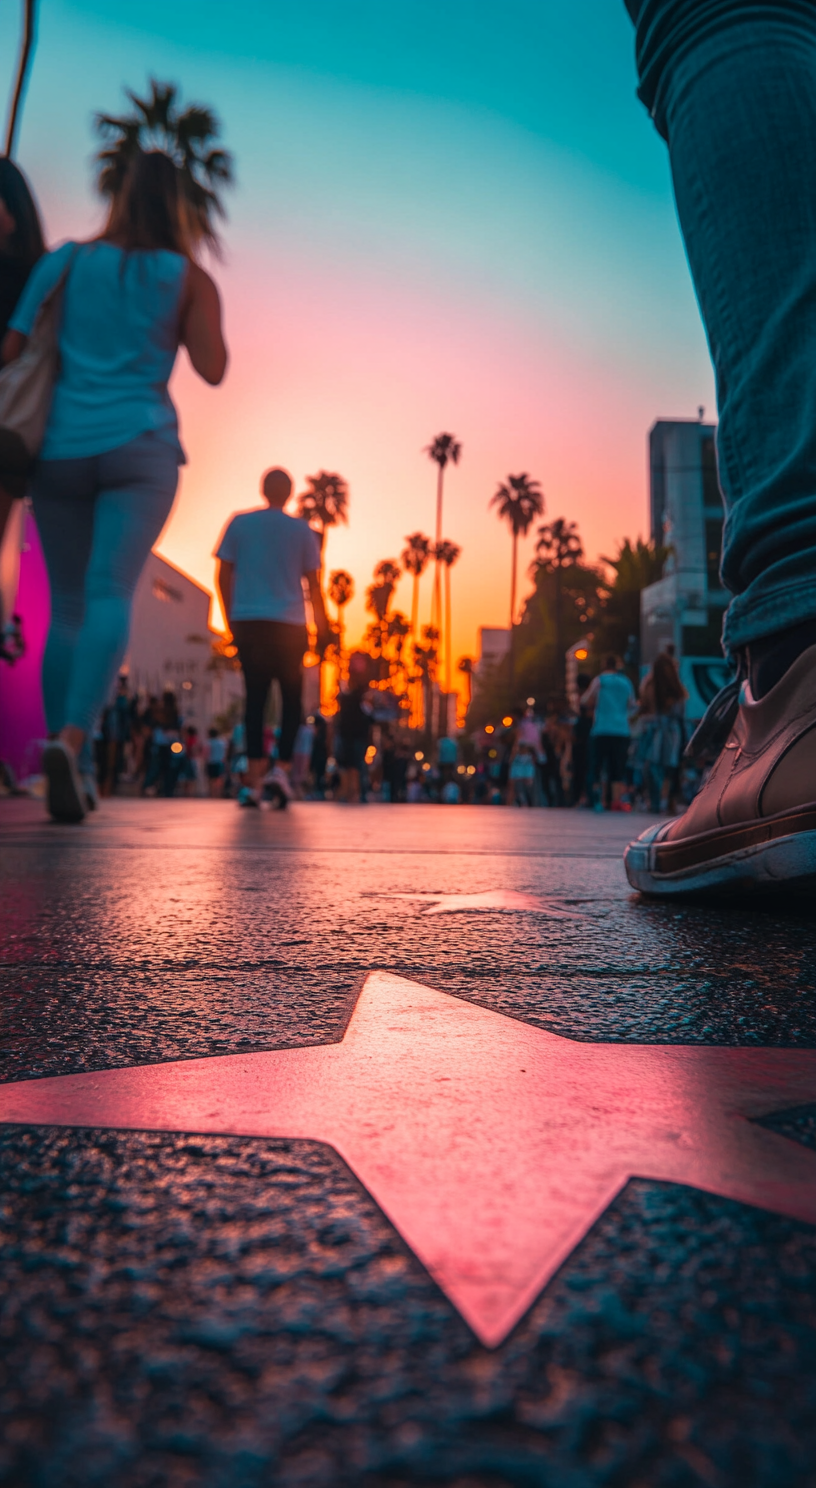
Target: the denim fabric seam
(766, 616)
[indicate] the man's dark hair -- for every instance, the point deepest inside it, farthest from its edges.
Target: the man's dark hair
(276, 485)
(611, 663)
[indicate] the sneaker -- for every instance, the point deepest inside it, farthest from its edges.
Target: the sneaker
(90, 789)
(279, 777)
(754, 820)
(247, 797)
(64, 795)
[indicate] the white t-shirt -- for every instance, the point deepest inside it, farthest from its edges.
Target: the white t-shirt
(614, 698)
(271, 552)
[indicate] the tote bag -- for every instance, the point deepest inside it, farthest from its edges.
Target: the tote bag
(27, 386)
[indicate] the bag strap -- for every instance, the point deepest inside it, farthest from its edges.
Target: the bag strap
(58, 289)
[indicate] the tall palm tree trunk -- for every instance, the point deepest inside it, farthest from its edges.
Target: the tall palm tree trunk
(559, 626)
(341, 641)
(513, 611)
(447, 628)
(437, 618)
(416, 686)
(321, 666)
(26, 47)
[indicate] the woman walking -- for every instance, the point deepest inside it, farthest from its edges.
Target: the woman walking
(107, 475)
(661, 699)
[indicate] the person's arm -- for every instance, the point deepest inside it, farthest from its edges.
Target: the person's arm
(13, 343)
(590, 697)
(318, 609)
(43, 278)
(225, 584)
(201, 329)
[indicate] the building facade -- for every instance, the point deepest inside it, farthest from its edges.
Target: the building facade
(684, 609)
(494, 646)
(170, 645)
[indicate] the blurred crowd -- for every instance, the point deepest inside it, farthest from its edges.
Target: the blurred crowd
(615, 750)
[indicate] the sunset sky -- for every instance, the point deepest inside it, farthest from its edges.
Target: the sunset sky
(448, 216)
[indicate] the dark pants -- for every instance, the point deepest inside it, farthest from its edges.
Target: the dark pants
(609, 755)
(269, 649)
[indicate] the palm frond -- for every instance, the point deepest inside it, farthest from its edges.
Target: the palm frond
(156, 122)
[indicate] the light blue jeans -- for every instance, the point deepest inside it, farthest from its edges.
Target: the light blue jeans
(731, 85)
(98, 518)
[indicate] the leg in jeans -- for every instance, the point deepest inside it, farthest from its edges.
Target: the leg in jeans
(64, 497)
(137, 487)
(731, 85)
(134, 490)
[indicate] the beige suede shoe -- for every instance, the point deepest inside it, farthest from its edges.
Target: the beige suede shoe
(754, 821)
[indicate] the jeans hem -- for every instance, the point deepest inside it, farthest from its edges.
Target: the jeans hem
(749, 619)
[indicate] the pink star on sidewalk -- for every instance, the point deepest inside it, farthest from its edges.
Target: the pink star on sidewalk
(491, 1145)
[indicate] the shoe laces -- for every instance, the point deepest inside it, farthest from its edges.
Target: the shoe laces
(711, 733)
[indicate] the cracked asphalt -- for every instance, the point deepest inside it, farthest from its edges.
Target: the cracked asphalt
(188, 1310)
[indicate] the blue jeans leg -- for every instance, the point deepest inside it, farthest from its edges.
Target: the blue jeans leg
(98, 518)
(731, 84)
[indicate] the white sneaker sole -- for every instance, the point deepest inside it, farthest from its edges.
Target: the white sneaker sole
(784, 862)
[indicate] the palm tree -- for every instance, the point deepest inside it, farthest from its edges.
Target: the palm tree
(26, 48)
(326, 502)
(425, 660)
(636, 565)
(414, 558)
(465, 666)
(447, 553)
(341, 591)
(389, 573)
(559, 546)
(378, 594)
(188, 137)
(520, 500)
(397, 629)
(443, 449)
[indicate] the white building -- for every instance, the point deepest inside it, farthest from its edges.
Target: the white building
(171, 644)
(685, 607)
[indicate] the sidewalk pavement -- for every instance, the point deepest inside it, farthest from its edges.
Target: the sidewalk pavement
(199, 1289)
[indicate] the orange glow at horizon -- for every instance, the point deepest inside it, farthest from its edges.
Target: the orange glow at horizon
(490, 383)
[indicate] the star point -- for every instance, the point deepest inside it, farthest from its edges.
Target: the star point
(492, 899)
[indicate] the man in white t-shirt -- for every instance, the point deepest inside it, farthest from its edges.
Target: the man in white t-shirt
(263, 558)
(612, 698)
